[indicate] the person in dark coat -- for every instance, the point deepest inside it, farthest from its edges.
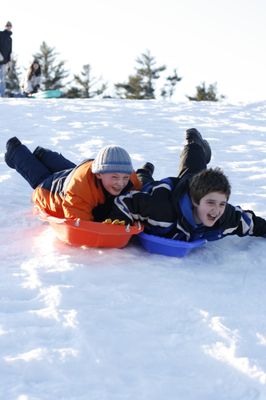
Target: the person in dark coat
(193, 205)
(5, 55)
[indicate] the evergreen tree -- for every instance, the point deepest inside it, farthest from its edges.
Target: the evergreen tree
(206, 94)
(53, 72)
(148, 73)
(133, 89)
(141, 85)
(87, 83)
(73, 93)
(171, 82)
(12, 79)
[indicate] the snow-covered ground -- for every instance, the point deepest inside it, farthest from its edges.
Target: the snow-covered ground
(123, 324)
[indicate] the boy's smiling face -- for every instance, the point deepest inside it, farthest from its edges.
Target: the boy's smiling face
(210, 208)
(114, 182)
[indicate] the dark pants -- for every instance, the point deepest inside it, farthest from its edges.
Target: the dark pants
(37, 166)
(192, 160)
(54, 161)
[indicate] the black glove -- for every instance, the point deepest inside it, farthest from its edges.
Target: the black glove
(145, 173)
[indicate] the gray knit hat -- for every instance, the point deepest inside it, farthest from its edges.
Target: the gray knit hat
(112, 159)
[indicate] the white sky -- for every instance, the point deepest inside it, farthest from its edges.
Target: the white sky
(219, 41)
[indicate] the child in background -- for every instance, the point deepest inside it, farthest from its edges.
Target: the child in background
(32, 80)
(85, 191)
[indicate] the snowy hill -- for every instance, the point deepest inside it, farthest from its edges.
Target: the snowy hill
(109, 324)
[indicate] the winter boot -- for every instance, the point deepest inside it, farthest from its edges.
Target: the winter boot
(11, 145)
(145, 173)
(20, 158)
(194, 136)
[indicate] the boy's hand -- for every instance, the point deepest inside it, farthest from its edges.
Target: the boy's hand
(114, 222)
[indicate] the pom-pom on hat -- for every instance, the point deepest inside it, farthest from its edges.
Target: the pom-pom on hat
(112, 159)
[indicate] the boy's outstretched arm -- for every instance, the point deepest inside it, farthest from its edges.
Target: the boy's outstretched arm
(121, 212)
(244, 222)
(154, 207)
(259, 224)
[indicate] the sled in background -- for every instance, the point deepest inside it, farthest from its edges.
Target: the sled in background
(48, 94)
(89, 233)
(168, 247)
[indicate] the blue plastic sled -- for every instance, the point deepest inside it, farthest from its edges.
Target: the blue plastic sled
(168, 247)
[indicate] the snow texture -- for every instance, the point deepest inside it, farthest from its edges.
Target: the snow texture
(123, 324)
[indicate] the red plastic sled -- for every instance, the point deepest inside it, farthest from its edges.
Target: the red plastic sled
(89, 233)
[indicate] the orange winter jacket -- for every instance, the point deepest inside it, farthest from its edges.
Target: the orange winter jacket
(74, 193)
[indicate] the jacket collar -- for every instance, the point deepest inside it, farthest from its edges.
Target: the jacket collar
(186, 208)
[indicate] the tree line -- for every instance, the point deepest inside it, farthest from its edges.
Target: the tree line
(139, 86)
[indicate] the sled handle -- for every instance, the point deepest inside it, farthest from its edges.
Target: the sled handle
(77, 222)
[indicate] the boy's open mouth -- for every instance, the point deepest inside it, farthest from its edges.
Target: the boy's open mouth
(212, 218)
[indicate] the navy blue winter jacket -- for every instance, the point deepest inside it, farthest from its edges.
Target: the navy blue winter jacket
(165, 208)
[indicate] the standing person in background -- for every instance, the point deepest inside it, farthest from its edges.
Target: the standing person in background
(5, 55)
(32, 80)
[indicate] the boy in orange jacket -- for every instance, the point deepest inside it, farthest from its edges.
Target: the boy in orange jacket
(85, 191)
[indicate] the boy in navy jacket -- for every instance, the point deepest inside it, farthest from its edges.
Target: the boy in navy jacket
(194, 205)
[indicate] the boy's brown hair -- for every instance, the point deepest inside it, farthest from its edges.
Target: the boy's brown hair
(208, 181)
